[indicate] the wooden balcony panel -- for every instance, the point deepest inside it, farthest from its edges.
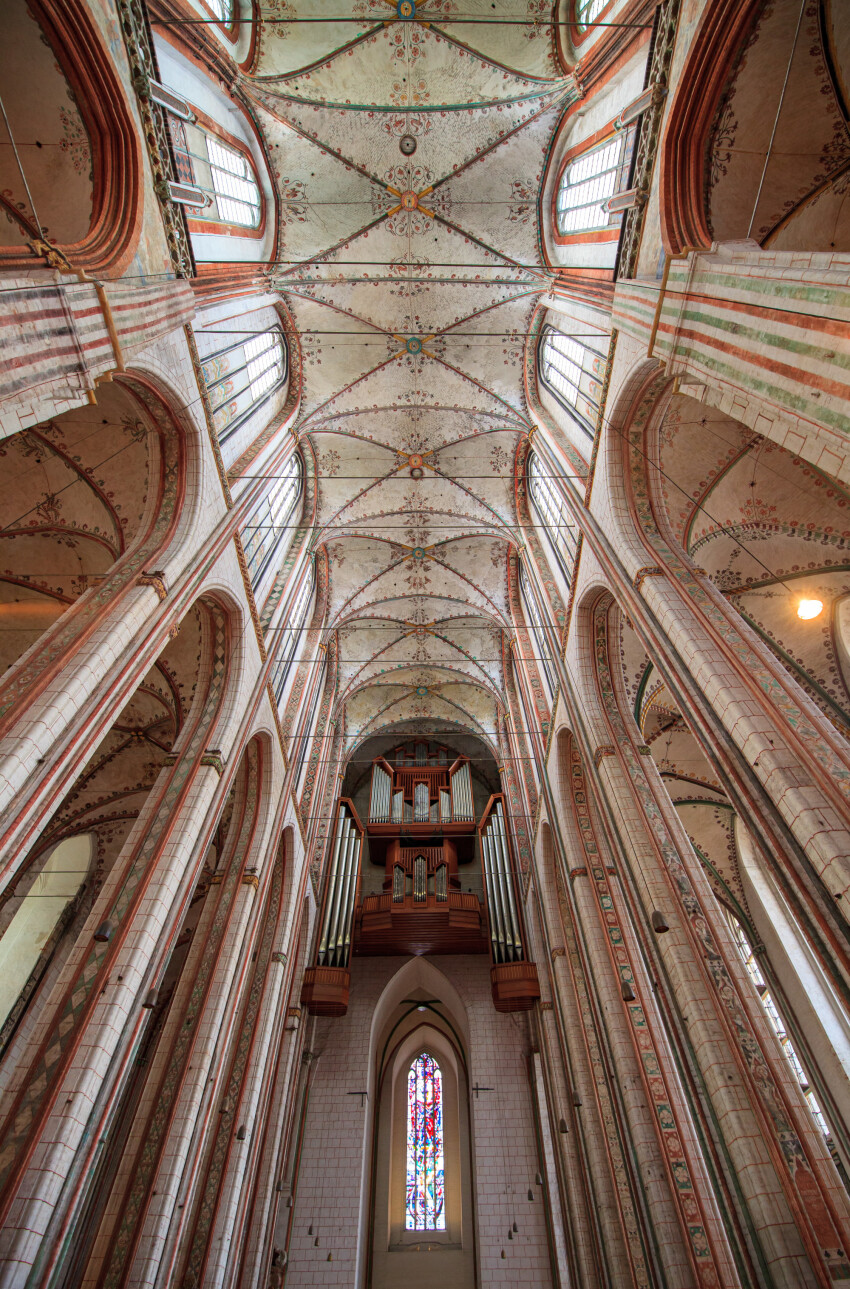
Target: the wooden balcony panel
(324, 991)
(515, 986)
(455, 925)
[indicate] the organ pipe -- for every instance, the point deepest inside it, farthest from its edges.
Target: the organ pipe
(336, 894)
(379, 808)
(497, 935)
(501, 899)
(323, 941)
(509, 883)
(462, 793)
(351, 893)
(344, 897)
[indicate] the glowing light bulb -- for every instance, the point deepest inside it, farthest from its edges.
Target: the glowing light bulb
(808, 609)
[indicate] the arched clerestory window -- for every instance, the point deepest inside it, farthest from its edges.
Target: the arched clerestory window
(750, 961)
(589, 180)
(425, 1174)
(243, 376)
(292, 632)
(268, 533)
(537, 635)
(573, 369)
(224, 11)
(587, 11)
(551, 513)
(223, 173)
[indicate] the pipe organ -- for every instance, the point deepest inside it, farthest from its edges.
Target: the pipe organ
(513, 979)
(326, 984)
(422, 832)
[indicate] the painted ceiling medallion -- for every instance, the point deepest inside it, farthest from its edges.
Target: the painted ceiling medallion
(413, 346)
(406, 9)
(415, 459)
(418, 553)
(409, 200)
(421, 691)
(407, 143)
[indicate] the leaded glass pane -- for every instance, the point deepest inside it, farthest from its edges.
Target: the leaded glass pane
(268, 532)
(425, 1168)
(588, 10)
(588, 182)
(220, 171)
(574, 369)
(750, 961)
(240, 377)
(552, 516)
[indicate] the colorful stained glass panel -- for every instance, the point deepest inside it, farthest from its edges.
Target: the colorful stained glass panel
(425, 1170)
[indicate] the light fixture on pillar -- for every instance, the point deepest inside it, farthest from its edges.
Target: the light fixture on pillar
(515, 1228)
(538, 1178)
(510, 1234)
(241, 1132)
(659, 922)
(530, 1193)
(562, 1125)
(104, 931)
(627, 992)
(808, 609)
(577, 1101)
(151, 999)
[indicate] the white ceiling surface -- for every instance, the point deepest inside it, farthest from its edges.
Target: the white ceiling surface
(418, 588)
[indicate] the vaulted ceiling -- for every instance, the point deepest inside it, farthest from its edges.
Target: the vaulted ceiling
(412, 277)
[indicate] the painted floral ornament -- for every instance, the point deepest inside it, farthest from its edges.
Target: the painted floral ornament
(406, 9)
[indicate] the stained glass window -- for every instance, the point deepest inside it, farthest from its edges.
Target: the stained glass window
(268, 533)
(241, 377)
(553, 516)
(425, 1173)
(574, 369)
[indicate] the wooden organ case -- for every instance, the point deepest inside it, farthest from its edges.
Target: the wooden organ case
(423, 831)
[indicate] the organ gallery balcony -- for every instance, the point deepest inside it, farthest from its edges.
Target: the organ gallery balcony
(451, 923)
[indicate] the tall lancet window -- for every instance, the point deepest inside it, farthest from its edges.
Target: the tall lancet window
(425, 1170)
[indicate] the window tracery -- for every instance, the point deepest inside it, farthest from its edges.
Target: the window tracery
(553, 516)
(222, 172)
(536, 632)
(292, 632)
(573, 369)
(425, 1163)
(589, 180)
(241, 377)
(268, 533)
(587, 11)
(750, 961)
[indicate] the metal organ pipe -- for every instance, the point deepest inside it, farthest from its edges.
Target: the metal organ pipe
(505, 868)
(345, 829)
(462, 793)
(345, 886)
(497, 934)
(351, 893)
(332, 882)
(379, 808)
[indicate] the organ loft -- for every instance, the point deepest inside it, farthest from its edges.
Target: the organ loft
(427, 840)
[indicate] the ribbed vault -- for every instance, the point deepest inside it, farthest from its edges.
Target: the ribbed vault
(408, 156)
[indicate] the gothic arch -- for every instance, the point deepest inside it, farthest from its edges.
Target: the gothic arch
(101, 132)
(105, 514)
(757, 145)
